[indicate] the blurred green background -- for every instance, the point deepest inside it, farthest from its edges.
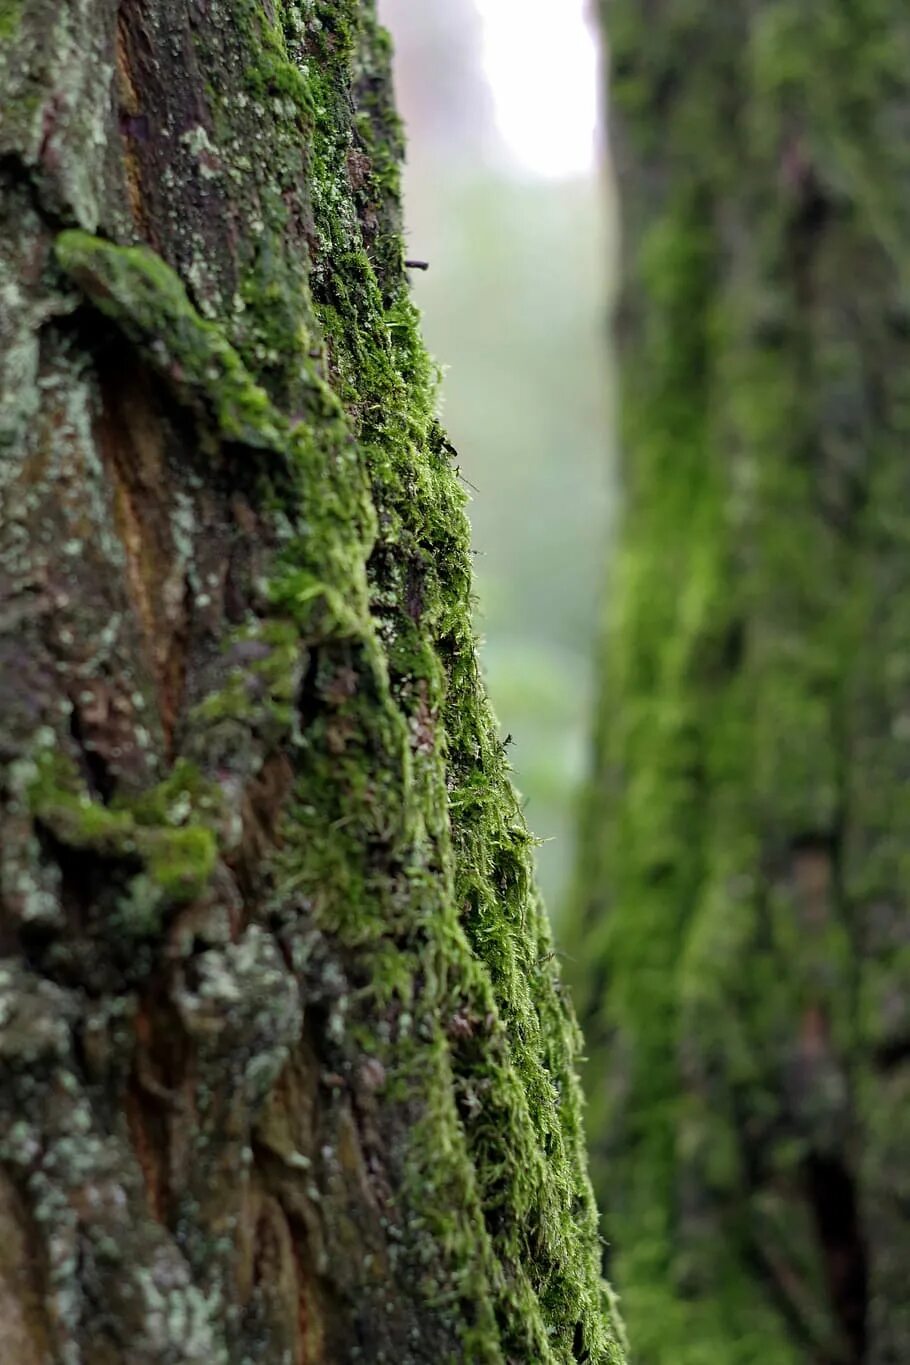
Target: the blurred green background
(518, 238)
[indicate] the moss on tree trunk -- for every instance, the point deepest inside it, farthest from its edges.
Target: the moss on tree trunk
(742, 916)
(286, 1072)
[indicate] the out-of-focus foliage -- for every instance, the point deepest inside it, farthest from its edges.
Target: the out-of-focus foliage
(514, 300)
(514, 303)
(742, 916)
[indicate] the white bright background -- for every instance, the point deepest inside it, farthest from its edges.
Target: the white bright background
(540, 60)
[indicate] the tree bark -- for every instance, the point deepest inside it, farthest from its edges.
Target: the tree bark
(742, 921)
(286, 1071)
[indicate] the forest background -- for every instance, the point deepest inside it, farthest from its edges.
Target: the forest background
(507, 199)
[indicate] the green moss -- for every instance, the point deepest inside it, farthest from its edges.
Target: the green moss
(261, 691)
(10, 17)
(183, 792)
(404, 852)
(494, 1169)
(146, 298)
(165, 837)
(180, 862)
(733, 813)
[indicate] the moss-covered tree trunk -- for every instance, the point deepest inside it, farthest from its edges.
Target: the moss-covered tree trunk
(286, 1074)
(743, 916)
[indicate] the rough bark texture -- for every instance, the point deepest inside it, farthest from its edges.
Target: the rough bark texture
(286, 1072)
(743, 925)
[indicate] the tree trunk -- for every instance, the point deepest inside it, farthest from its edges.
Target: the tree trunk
(743, 925)
(286, 1074)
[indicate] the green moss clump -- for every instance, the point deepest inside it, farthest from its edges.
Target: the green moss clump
(10, 16)
(146, 298)
(495, 1167)
(165, 838)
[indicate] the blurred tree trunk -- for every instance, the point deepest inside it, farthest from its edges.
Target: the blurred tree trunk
(286, 1074)
(742, 923)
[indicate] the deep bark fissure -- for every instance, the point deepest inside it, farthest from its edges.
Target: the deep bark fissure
(832, 1192)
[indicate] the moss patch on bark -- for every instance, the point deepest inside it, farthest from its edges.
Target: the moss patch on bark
(738, 848)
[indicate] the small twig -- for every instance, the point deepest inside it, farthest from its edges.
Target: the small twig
(417, 265)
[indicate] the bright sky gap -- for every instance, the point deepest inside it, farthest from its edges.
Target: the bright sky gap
(540, 60)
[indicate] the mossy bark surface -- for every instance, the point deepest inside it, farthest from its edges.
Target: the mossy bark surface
(286, 1070)
(742, 930)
